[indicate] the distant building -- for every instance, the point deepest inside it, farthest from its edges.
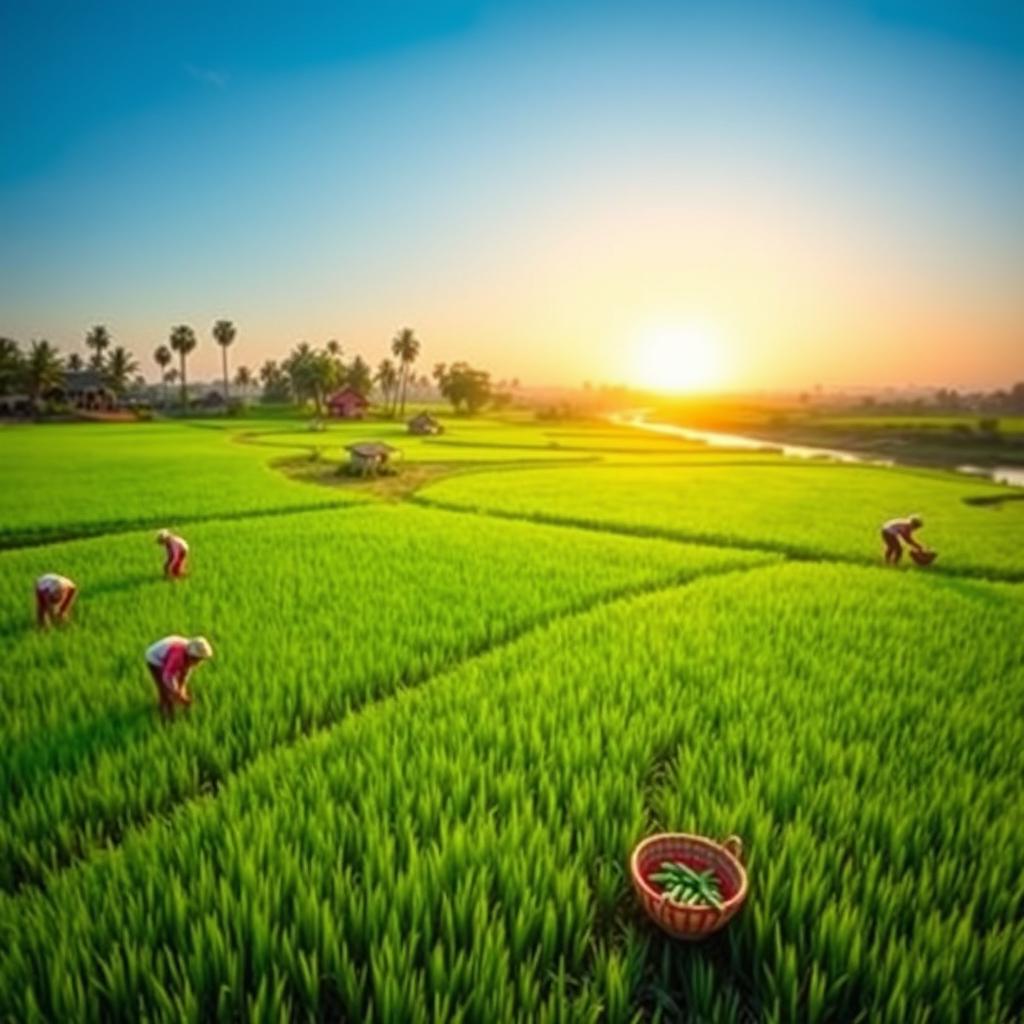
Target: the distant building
(347, 404)
(16, 405)
(84, 389)
(211, 401)
(424, 423)
(369, 458)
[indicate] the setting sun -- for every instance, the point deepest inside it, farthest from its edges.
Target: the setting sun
(678, 359)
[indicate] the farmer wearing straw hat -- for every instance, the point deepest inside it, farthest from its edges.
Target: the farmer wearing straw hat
(177, 554)
(169, 662)
(896, 532)
(54, 597)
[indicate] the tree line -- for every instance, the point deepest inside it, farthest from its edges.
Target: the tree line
(307, 374)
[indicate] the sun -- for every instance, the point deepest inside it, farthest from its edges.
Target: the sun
(678, 359)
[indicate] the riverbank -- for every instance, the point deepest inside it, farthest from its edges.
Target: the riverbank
(999, 458)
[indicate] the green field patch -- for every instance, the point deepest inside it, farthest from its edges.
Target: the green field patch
(309, 615)
(460, 852)
(804, 510)
(67, 480)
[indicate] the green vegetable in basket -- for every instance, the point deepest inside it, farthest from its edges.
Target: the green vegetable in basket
(684, 885)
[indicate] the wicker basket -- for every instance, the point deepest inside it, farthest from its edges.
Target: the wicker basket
(689, 921)
(924, 557)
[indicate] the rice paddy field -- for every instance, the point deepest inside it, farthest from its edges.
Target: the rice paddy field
(435, 726)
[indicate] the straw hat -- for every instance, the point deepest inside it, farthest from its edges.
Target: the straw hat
(199, 648)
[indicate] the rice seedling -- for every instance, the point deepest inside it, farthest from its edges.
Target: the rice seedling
(803, 510)
(310, 615)
(449, 854)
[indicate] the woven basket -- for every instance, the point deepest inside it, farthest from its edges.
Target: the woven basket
(689, 921)
(924, 557)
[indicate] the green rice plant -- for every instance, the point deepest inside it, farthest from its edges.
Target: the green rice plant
(804, 510)
(311, 616)
(439, 855)
(74, 480)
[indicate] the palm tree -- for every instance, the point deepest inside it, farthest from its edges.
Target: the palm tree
(406, 347)
(386, 379)
(43, 369)
(12, 366)
(224, 334)
(358, 377)
(243, 378)
(183, 341)
(162, 357)
(75, 362)
(98, 339)
(120, 366)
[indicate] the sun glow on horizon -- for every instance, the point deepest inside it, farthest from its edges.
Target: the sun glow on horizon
(678, 359)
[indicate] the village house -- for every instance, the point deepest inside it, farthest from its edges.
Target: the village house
(424, 423)
(370, 458)
(347, 404)
(84, 389)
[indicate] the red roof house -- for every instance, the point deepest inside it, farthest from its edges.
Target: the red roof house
(347, 404)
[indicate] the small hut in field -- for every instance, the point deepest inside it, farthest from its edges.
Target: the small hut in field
(371, 458)
(347, 404)
(424, 424)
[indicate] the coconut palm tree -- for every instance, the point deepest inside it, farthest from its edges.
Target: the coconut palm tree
(244, 379)
(44, 369)
(162, 357)
(120, 366)
(224, 334)
(12, 366)
(386, 378)
(75, 362)
(405, 345)
(99, 340)
(183, 341)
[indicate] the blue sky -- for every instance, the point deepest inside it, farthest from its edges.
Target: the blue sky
(835, 188)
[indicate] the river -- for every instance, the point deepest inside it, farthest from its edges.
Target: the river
(1010, 475)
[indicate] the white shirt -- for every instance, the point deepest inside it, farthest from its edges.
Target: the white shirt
(53, 584)
(156, 653)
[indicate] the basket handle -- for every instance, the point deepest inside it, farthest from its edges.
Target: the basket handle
(735, 846)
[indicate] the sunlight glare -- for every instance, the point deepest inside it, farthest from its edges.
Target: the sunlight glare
(678, 359)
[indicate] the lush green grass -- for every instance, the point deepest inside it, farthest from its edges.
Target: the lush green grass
(310, 615)
(73, 480)
(427, 742)
(459, 853)
(801, 509)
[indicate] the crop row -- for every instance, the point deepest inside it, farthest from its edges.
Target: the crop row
(805, 510)
(309, 615)
(68, 481)
(458, 853)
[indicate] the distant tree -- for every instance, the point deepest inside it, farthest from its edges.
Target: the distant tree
(276, 387)
(12, 366)
(466, 388)
(406, 347)
(171, 376)
(243, 378)
(162, 356)
(386, 379)
(43, 369)
(183, 341)
(358, 376)
(121, 364)
(98, 339)
(312, 372)
(75, 363)
(224, 333)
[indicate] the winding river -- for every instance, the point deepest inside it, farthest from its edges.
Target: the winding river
(1011, 475)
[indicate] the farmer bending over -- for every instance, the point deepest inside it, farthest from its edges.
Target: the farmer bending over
(177, 554)
(896, 531)
(54, 597)
(169, 662)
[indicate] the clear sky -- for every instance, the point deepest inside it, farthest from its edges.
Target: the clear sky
(771, 194)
